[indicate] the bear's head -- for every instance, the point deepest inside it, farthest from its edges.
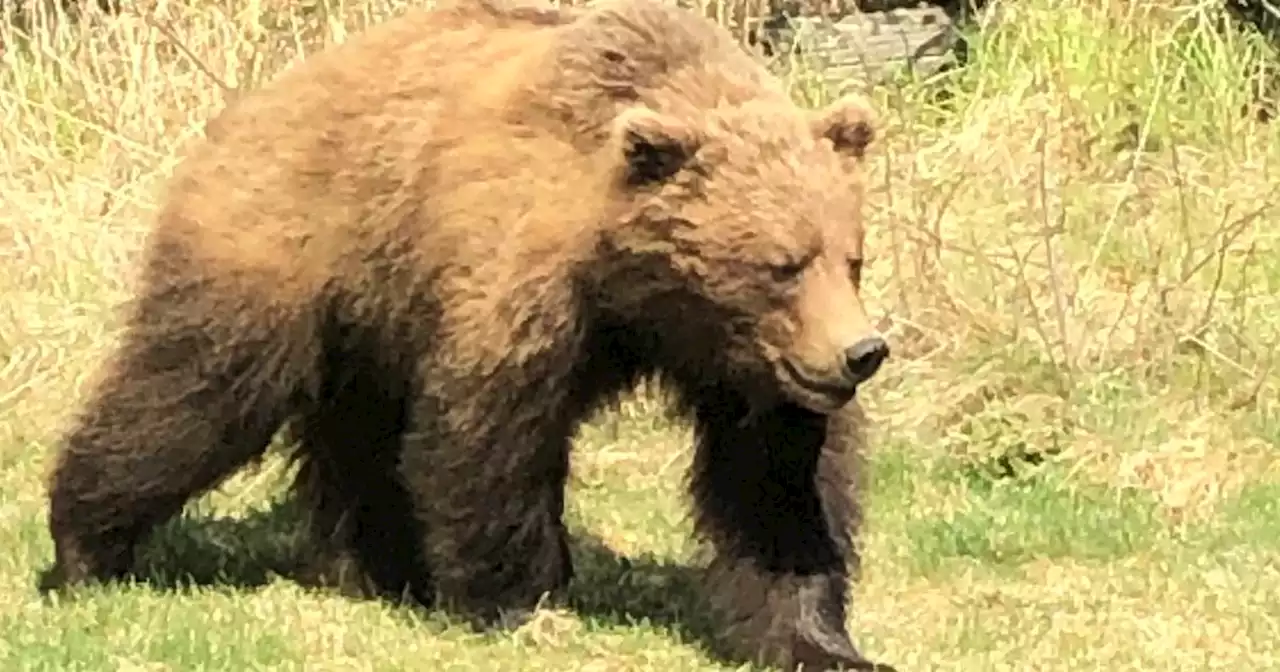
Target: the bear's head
(742, 233)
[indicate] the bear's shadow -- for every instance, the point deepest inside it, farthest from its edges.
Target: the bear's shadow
(250, 552)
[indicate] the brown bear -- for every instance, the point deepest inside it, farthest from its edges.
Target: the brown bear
(437, 248)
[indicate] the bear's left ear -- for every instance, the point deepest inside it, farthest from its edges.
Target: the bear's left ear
(849, 123)
(654, 146)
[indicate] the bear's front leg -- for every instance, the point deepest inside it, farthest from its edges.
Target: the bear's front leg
(776, 496)
(488, 487)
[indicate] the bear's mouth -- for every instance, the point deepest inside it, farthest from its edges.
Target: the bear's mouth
(839, 392)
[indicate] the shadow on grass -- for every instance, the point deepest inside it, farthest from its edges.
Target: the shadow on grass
(248, 553)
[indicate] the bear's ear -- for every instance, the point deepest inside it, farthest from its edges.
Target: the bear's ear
(849, 123)
(654, 146)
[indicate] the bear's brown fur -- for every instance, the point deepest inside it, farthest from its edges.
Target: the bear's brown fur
(443, 244)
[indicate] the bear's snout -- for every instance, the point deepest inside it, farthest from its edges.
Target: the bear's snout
(863, 359)
(825, 383)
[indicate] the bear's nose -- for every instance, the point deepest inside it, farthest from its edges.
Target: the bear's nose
(865, 357)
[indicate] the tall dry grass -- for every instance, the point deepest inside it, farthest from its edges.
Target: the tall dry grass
(1075, 253)
(1080, 250)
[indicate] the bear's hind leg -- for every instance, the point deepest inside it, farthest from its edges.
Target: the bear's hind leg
(368, 543)
(187, 401)
(776, 499)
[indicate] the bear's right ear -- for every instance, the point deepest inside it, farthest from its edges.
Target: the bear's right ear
(654, 146)
(849, 124)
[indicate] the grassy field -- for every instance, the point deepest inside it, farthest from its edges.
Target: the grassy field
(1076, 461)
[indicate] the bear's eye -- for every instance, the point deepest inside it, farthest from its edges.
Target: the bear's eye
(855, 271)
(789, 270)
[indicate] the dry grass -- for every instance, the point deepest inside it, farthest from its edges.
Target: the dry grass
(1082, 253)
(1075, 258)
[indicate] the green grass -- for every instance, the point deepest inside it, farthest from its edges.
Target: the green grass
(1075, 464)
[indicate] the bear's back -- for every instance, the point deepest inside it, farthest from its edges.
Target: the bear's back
(340, 139)
(566, 72)
(461, 130)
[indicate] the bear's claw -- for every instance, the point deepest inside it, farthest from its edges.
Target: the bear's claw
(829, 657)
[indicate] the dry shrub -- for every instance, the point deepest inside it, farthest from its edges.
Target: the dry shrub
(1077, 253)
